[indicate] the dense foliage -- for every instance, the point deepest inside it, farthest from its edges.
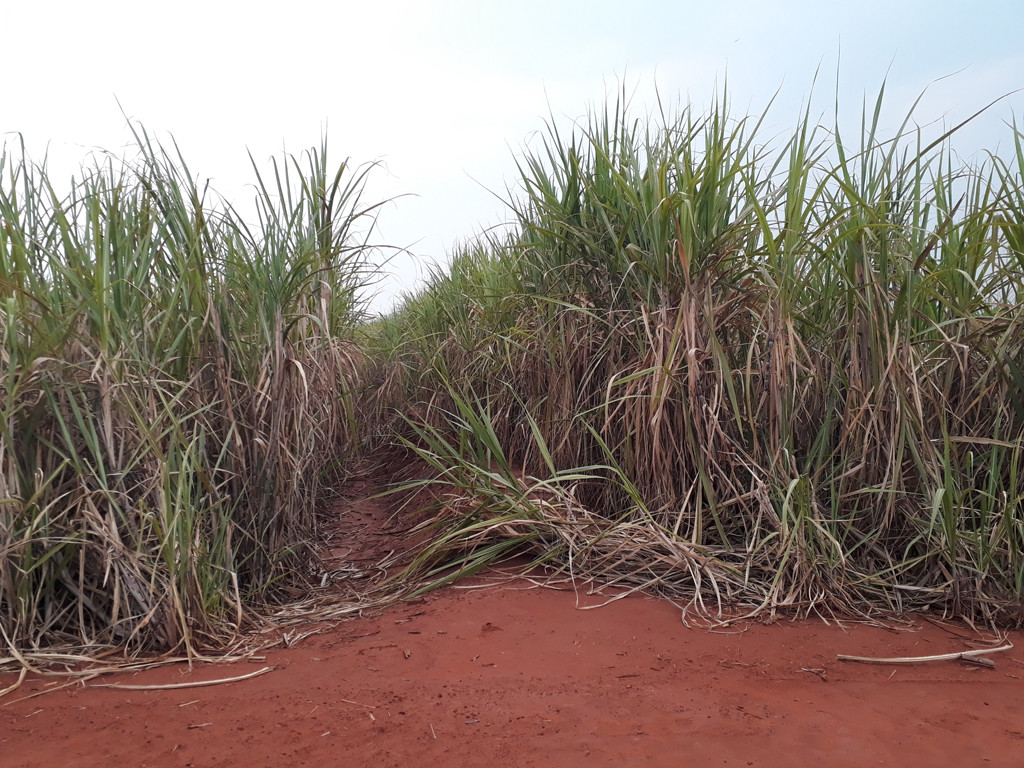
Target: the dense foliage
(777, 374)
(768, 374)
(175, 384)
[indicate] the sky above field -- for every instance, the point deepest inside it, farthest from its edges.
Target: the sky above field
(444, 94)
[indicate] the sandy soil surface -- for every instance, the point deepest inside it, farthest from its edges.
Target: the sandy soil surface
(514, 674)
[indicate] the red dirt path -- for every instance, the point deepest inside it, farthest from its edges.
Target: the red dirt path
(516, 675)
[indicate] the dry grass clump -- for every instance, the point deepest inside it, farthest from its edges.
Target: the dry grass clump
(792, 375)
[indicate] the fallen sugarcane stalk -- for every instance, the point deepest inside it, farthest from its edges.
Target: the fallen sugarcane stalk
(173, 686)
(970, 656)
(21, 679)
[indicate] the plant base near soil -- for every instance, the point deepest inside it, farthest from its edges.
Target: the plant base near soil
(499, 671)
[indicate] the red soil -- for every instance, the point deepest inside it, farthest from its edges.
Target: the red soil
(516, 675)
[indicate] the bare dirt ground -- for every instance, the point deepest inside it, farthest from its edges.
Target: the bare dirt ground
(500, 672)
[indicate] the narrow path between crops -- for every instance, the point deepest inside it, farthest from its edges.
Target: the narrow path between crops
(501, 672)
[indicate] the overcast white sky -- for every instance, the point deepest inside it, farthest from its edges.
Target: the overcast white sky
(442, 92)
